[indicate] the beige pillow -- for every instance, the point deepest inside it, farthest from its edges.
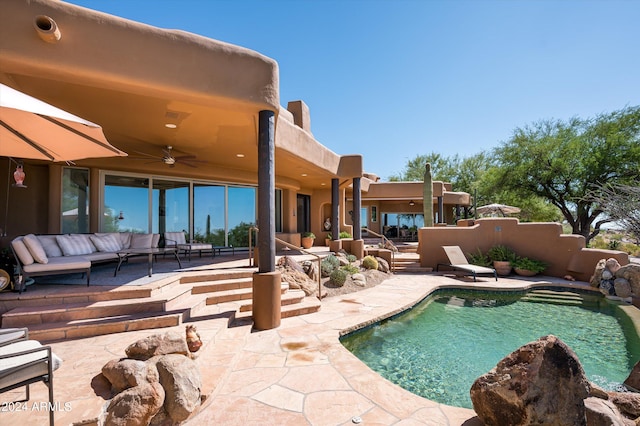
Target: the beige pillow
(141, 241)
(22, 252)
(50, 245)
(35, 248)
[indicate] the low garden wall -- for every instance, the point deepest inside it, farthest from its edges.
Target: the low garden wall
(564, 254)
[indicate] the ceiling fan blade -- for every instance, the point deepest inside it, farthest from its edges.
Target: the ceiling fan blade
(185, 157)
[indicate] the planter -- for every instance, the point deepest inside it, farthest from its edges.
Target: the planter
(525, 272)
(327, 242)
(306, 242)
(502, 267)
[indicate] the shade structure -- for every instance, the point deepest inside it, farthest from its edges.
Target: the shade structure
(30, 128)
(501, 209)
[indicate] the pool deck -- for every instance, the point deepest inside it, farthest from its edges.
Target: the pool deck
(296, 374)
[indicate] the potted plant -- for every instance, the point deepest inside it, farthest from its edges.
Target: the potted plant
(479, 258)
(528, 267)
(327, 240)
(307, 240)
(502, 256)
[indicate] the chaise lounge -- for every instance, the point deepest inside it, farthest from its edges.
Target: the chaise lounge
(458, 262)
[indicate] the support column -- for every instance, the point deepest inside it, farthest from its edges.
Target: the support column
(357, 205)
(335, 245)
(266, 282)
(441, 218)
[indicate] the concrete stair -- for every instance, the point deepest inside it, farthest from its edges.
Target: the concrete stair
(91, 311)
(408, 261)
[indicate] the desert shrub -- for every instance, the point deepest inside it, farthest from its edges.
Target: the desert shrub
(501, 253)
(344, 234)
(351, 258)
(328, 265)
(338, 277)
(370, 262)
(479, 258)
(350, 269)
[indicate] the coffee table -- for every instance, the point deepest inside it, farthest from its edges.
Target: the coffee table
(124, 255)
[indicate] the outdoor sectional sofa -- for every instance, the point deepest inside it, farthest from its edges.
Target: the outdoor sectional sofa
(39, 255)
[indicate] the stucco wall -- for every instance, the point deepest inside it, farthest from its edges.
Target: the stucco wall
(564, 254)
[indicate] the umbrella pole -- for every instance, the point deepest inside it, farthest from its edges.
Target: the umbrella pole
(6, 210)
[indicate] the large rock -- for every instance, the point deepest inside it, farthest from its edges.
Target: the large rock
(603, 413)
(182, 384)
(627, 402)
(622, 287)
(542, 382)
(135, 406)
(127, 373)
(383, 265)
(633, 381)
(158, 344)
(631, 273)
(597, 273)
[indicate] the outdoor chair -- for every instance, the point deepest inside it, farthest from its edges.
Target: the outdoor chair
(24, 361)
(458, 262)
(178, 239)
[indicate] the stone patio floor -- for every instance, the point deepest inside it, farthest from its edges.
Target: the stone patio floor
(297, 374)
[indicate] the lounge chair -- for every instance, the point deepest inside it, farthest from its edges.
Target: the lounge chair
(458, 261)
(24, 361)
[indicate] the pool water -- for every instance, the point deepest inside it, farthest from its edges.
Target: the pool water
(438, 348)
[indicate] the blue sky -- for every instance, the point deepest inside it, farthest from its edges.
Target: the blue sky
(394, 79)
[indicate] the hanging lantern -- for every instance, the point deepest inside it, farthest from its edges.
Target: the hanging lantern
(19, 176)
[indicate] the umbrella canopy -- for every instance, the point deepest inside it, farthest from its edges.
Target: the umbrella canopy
(502, 209)
(30, 128)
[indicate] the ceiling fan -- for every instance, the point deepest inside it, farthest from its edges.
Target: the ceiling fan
(169, 159)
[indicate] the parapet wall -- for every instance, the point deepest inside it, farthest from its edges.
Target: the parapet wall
(563, 254)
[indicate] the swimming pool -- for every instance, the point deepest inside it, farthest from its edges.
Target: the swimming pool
(440, 346)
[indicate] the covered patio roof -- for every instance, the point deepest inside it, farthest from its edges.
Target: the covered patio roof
(134, 80)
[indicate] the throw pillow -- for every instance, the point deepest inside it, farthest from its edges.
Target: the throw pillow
(75, 245)
(22, 251)
(141, 241)
(106, 243)
(50, 245)
(35, 248)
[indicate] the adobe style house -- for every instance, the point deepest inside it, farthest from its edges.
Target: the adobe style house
(211, 150)
(152, 88)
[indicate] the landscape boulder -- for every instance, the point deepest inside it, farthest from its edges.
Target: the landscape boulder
(600, 412)
(127, 373)
(135, 406)
(631, 273)
(158, 344)
(182, 383)
(542, 382)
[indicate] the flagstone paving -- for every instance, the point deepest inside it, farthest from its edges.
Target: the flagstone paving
(296, 374)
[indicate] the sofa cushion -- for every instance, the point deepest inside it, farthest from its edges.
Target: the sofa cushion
(106, 243)
(59, 264)
(155, 240)
(35, 248)
(24, 366)
(125, 239)
(141, 241)
(22, 251)
(75, 244)
(50, 245)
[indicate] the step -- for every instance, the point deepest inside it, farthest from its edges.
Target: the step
(412, 269)
(32, 315)
(551, 301)
(237, 294)
(99, 326)
(197, 276)
(288, 298)
(308, 306)
(221, 285)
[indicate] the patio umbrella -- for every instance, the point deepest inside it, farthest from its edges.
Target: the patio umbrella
(502, 209)
(30, 128)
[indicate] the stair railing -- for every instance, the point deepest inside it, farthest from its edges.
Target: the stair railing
(292, 247)
(385, 243)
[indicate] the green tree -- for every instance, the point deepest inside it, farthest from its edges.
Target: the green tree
(621, 203)
(562, 161)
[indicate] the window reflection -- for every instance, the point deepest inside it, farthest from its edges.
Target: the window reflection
(170, 206)
(242, 215)
(75, 200)
(126, 206)
(208, 214)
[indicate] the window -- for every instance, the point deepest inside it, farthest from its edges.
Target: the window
(209, 222)
(75, 200)
(170, 206)
(126, 204)
(242, 215)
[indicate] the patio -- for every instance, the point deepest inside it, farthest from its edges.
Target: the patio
(298, 373)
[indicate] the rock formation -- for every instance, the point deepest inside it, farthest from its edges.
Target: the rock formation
(615, 280)
(158, 384)
(543, 382)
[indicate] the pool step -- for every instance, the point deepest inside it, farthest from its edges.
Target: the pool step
(555, 297)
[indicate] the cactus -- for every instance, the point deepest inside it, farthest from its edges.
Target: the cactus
(370, 262)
